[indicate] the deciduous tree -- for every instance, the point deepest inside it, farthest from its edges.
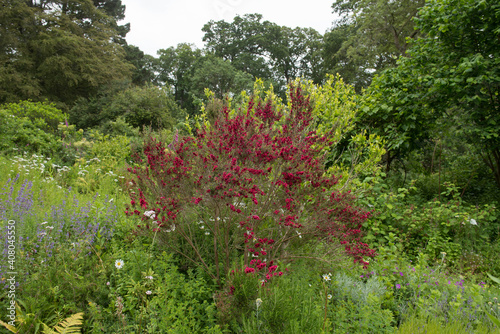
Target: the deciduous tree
(452, 72)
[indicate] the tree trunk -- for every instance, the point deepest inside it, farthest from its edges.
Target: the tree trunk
(493, 161)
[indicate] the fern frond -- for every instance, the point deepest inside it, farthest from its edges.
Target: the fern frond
(70, 325)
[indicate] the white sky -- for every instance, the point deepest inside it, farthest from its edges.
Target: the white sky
(159, 24)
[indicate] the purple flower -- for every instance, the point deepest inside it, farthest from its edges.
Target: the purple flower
(398, 286)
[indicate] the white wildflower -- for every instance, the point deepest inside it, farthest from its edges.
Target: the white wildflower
(151, 214)
(119, 264)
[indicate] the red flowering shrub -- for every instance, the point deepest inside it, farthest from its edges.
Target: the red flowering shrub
(252, 184)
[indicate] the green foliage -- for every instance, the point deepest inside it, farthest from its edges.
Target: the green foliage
(287, 305)
(55, 289)
(119, 127)
(449, 226)
(145, 106)
(70, 325)
(111, 150)
(368, 36)
(350, 155)
(337, 61)
(58, 51)
(150, 294)
(237, 299)
(22, 134)
(45, 111)
(266, 50)
(176, 67)
(144, 64)
(34, 127)
(451, 73)
(357, 306)
(416, 289)
(493, 319)
(220, 77)
(89, 112)
(415, 324)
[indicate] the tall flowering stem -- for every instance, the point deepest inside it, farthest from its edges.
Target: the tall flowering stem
(255, 182)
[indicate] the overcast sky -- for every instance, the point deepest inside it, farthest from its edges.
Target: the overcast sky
(159, 24)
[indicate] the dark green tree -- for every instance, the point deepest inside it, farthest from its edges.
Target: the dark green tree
(243, 42)
(18, 25)
(266, 50)
(220, 77)
(145, 65)
(113, 8)
(336, 60)
(369, 36)
(175, 69)
(57, 50)
(116, 10)
(295, 53)
(145, 106)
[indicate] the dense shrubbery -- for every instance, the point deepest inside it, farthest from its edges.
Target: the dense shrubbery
(80, 252)
(30, 127)
(138, 106)
(325, 212)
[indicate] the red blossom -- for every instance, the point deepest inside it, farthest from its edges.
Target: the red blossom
(243, 167)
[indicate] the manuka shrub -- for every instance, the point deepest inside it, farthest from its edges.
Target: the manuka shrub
(252, 184)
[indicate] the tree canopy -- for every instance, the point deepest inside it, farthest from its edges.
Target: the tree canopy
(369, 36)
(266, 50)
(57, 50)
(452, 72)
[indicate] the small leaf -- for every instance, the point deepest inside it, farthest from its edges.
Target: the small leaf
(9, 327)
(493, 278)
(493, 319)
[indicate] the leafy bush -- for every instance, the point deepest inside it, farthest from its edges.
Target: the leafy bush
(22, 134)
(147, 293)
(357, 306)
(255, 183)
(433, 227)
(145, 106)
(47, 113)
